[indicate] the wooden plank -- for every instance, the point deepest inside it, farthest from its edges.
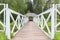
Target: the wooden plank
(31, 32)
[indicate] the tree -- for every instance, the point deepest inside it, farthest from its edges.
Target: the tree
(37, 6)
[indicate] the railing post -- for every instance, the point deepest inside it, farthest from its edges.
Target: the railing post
(7, 22)
(35, 19)
(38, 21)
(4, 17)
(52, 23)
(22, 21)
(55, 17)
(19, 22)
(41, 22)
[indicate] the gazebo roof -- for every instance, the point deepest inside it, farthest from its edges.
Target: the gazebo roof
(30, 14)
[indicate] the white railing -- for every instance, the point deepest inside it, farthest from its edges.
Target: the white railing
(36, 20)
(25, 20)
(44, 22)
(17, 23)
(51, 20)
(3, 11)
(57, 13)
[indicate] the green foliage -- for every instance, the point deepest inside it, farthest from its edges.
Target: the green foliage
(57, 36)
(3, 36)
(18, 5)
(37, 7)
(56, 1)
(29, 7)
(12, 35)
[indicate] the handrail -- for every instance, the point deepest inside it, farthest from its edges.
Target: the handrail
(45, 12)
(14, 12)
(2, 3)
(2, 10)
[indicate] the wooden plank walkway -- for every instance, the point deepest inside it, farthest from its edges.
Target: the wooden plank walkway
(30, 32)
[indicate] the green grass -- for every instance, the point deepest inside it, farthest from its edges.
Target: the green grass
(3, 36)
(57, 36)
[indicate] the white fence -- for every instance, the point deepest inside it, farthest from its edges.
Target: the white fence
(8, 16)
(49, 24)
(57, 13)
(3, 11)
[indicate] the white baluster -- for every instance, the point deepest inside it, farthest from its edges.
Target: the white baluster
(7, 22)
(19, 22)
(52, 23)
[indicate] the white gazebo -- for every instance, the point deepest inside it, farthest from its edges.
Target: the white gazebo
(33, 16)
(30, 14)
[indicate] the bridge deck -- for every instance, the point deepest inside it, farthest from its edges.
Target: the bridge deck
(31, 32)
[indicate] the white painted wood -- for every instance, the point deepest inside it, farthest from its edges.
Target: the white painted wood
(45, 23)
(38, 21)
(58, 31)
(15, 24)
(19, 22)
(58, 24)
(22, 20)
(46, 33)
(55, 15)
(57, 11)
(2, 24)
(42, 22)
(47, 11)
(4, 18)
(14, 12)
(7, 22)
(12, 17)
(2, 4)
(52, 23)
(1, 30)
(2, 11)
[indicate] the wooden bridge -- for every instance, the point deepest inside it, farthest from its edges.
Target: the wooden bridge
(31, 32)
